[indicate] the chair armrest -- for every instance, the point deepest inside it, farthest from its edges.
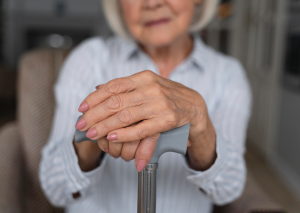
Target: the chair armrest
(10, 169)
(253, 200)
(38, 70)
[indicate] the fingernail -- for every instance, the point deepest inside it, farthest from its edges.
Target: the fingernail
(116, 157)
(141, 165)
(91, 133)
(112, 137)
(80, 124)
(99, 86)
(107, 150)
(83, 107)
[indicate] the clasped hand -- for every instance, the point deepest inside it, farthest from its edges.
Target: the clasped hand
(127, 115)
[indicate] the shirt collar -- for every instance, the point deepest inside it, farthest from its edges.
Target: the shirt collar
(198, 54)
(129, 47)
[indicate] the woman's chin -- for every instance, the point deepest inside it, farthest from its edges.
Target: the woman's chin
(158, 39)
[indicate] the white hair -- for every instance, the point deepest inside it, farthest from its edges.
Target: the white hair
(203, 15)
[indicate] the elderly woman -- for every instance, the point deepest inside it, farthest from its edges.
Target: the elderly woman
(155, 75)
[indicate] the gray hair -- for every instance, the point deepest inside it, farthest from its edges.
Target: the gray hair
(203, 15)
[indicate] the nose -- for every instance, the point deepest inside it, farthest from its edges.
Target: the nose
(153, 4)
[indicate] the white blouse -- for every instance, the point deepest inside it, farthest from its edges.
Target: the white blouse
(112, 187)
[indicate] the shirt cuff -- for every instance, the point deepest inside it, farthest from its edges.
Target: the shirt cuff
(200, 178)
(78, 180)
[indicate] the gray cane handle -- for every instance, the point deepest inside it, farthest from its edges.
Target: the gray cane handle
(174, 140)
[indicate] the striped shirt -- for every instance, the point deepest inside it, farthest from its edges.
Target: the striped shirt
(112, 187)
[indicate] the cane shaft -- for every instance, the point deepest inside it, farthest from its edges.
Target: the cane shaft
(147, 189)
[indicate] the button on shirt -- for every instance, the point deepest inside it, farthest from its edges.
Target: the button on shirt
(112, 187)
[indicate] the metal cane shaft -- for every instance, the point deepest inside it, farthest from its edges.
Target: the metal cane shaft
(147, 189)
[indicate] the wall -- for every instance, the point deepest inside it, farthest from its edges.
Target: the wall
(76, 7)
(287, 158)
(48, 16)
(289, 132)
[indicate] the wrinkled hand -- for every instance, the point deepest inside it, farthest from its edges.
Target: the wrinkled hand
(127, 115)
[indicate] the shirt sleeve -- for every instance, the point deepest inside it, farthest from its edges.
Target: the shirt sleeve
(59, 173)
(224, 181)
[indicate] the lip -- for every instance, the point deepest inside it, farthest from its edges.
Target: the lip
(157, 22)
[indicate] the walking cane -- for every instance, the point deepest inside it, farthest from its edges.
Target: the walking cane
(174, 140)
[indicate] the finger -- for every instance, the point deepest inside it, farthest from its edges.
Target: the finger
(129, 150)
(118, 121)
(145, 151)
(144, 129)
(110, 107)
(103, 144)
(99, 86)
(117, 86)
(115, 149)
(113, 87)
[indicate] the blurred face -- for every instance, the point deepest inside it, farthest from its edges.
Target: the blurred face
(158, 22)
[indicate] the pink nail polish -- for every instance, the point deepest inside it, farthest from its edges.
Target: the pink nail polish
(92, 133)
(112, 137)
(80, 124)
(141, 165)
(99, 86)
(107, 150)
(83, 107)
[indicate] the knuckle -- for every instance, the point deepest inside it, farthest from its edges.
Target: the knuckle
(125, 116)
(203, 123)
(115, 148)
(150, 75)
(148, 72)
(126, 156)
(143, 132)
(114, 86)
(102, 144)
(171, 117)
(167, 105)
(105, 126)
(156, 89)
(174, 116)
(114, 102)
(90, 115)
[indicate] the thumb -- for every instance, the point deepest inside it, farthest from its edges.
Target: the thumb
(145, 151)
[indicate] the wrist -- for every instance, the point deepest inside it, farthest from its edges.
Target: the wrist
(202, 154)
(88, 154)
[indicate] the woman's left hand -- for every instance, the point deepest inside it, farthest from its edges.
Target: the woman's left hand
(159, 105)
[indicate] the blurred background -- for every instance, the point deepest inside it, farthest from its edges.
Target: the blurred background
(263, 34)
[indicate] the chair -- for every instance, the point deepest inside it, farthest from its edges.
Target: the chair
(21, 143)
